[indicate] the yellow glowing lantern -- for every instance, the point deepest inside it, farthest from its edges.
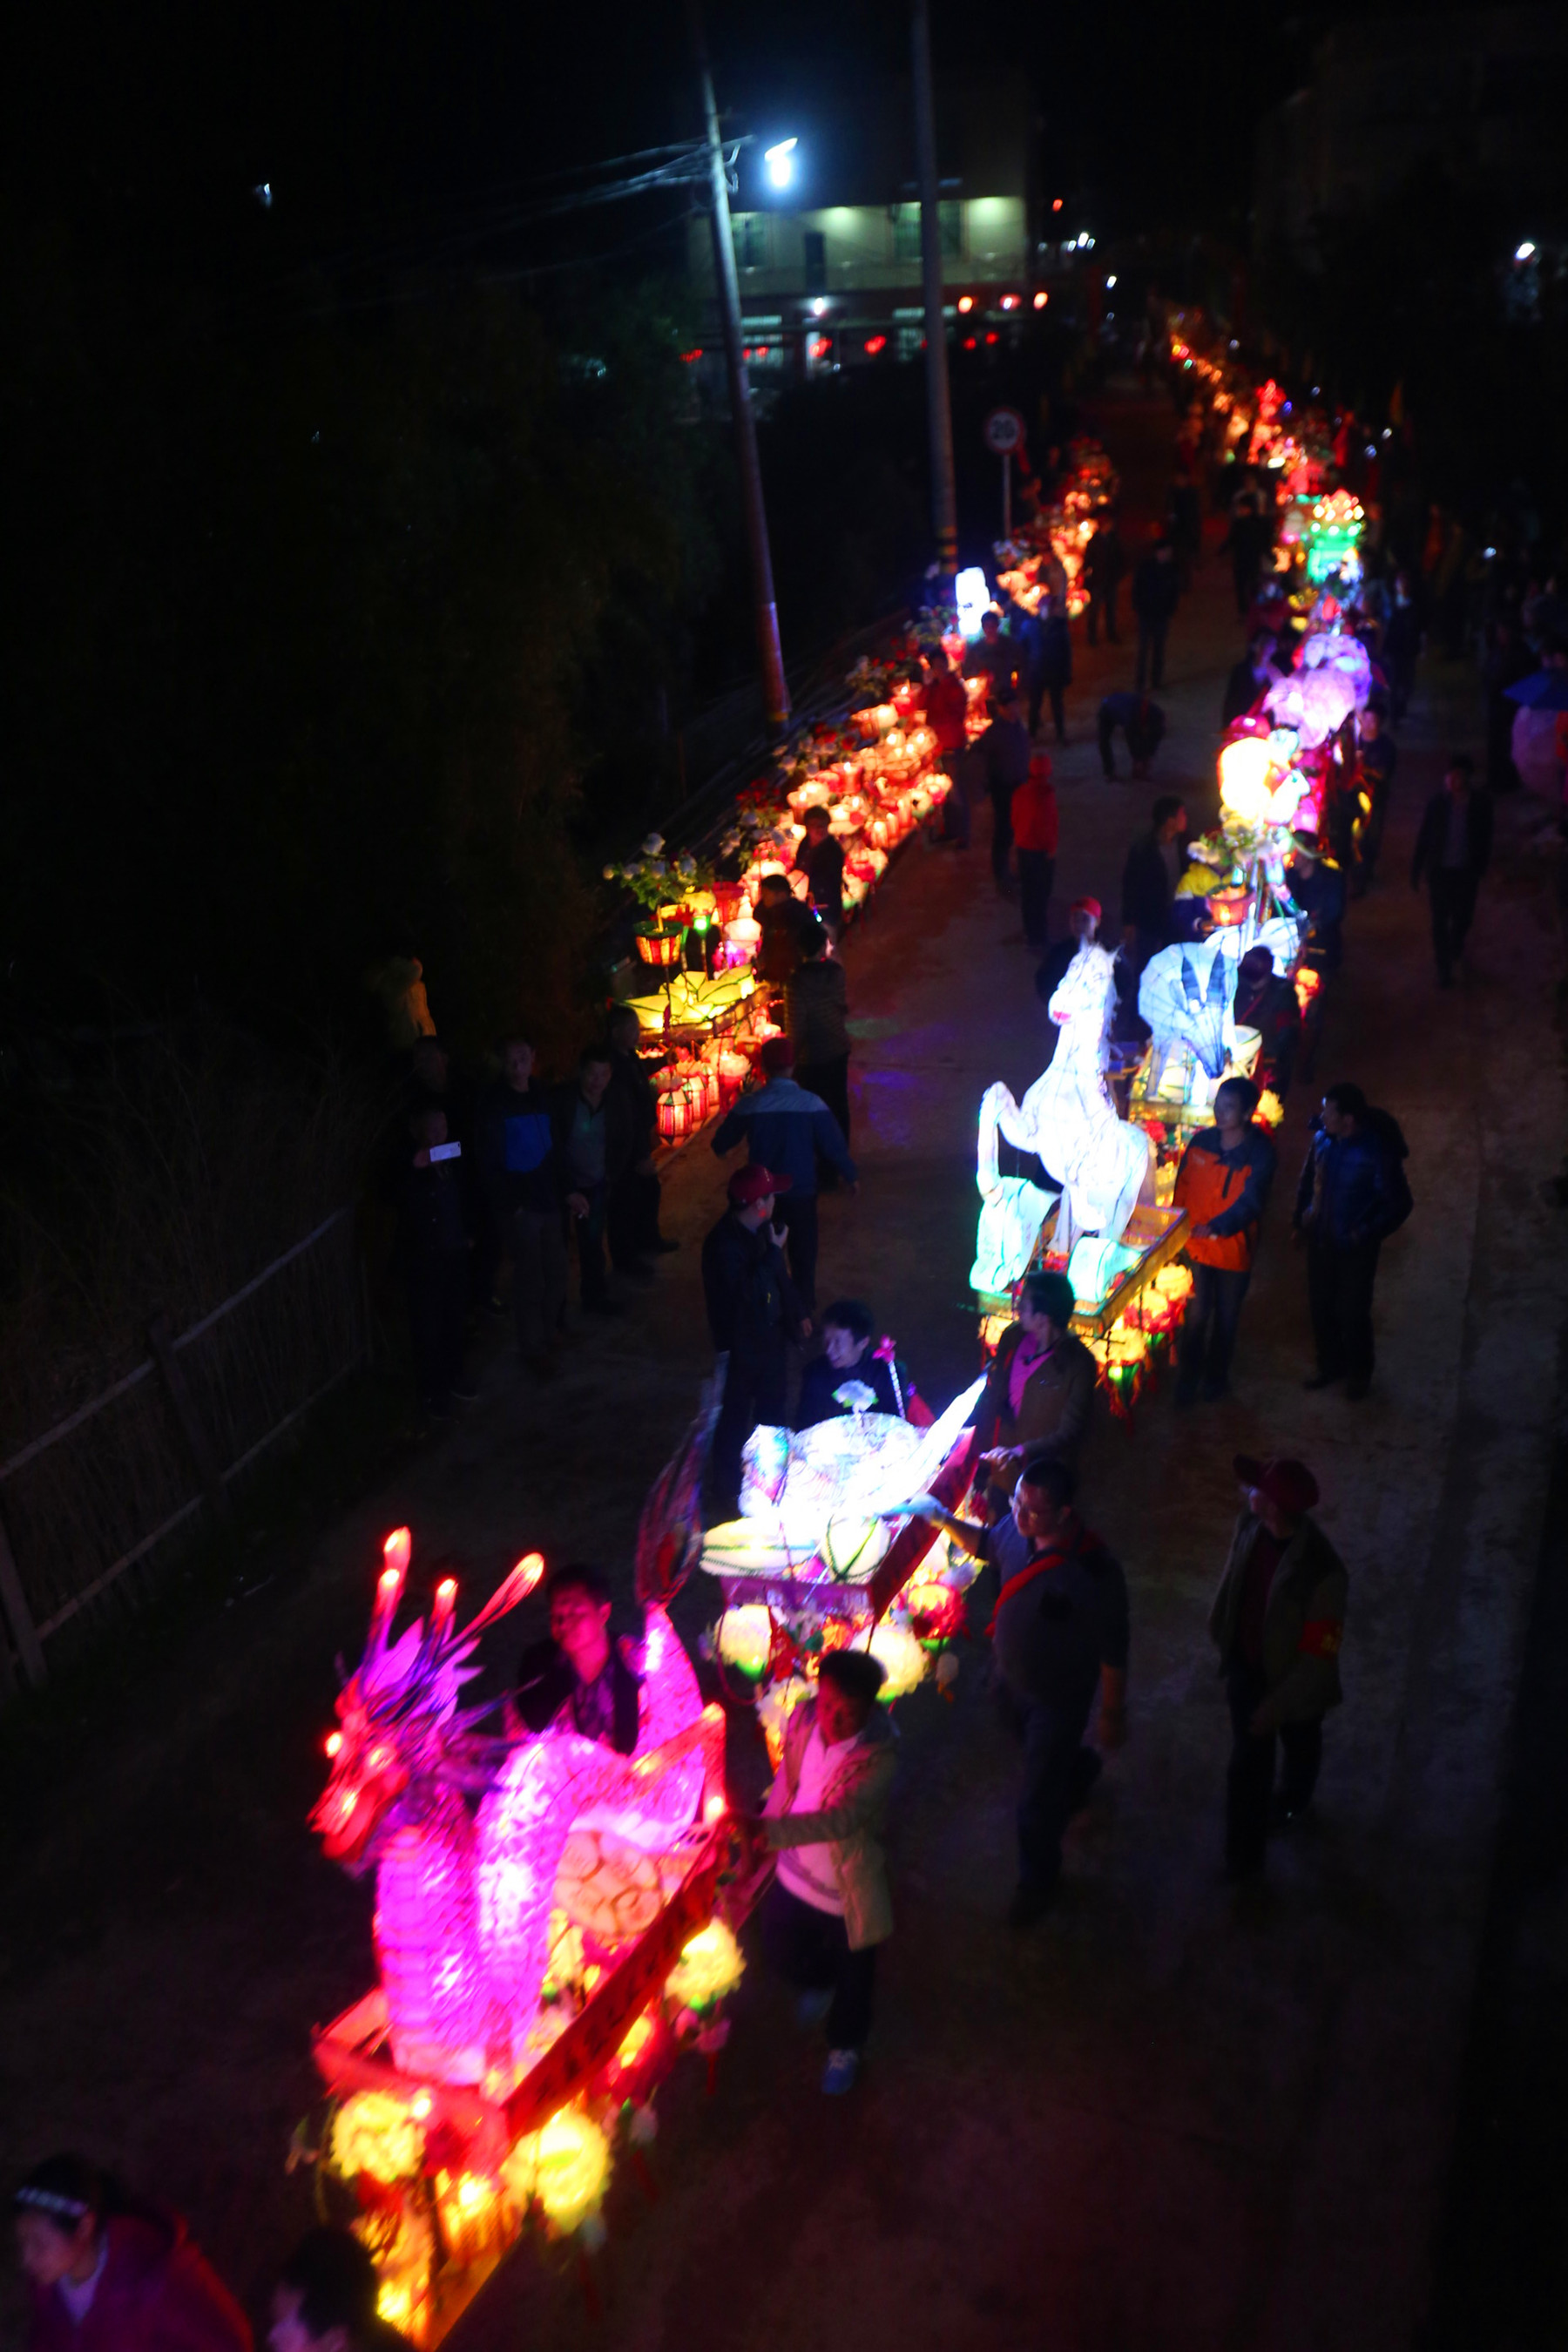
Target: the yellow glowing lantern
(377, 2133)
(1245, 767)
(563, 2166)
(473, 2216)
(709, 1965)
(902, 1657)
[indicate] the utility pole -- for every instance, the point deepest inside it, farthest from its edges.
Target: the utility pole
(938, 405)
(775, 690)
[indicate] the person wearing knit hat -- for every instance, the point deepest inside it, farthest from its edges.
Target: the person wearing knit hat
(785, 1127)
(1277, 1621)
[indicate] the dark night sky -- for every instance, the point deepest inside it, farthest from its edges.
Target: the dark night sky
(377, 124)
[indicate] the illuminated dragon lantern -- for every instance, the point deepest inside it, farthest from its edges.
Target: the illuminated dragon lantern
(464, 1898)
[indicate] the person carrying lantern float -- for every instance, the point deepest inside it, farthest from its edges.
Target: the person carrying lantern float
(1155, 864)
(634, 1192)
(1060, 1633)
(1377, 757)
(1268, 1002)
(108, 2276)
(787, 923)
(1251, 678)
(753, 1312)
(829, 1908)
(1084, 918)
(1317, 888)
(821, 860)
(849, 1362)
(1277, 1621)
(1040, 1391)
(1223, 1182)
(579, 1679)
(995, 657)
(947, 713)
(786, 1128)
(325, 2299)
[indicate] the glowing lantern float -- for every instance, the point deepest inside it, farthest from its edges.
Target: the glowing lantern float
(709, 1965)
(1246, 779)
(563, 2168)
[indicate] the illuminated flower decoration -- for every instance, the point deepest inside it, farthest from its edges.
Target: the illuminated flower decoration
(709, 1965)
(745, 1639)
(377, 2133)
(563, 2167)
(1315, 702)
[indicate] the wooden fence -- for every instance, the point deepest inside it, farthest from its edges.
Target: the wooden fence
(92, 1511)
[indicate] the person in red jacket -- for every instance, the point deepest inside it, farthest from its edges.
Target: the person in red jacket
(1223, 1183)
(108, 2279)
(1036, 827)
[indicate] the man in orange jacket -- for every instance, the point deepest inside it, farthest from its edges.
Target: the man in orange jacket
(1035, 833)
(1223, 1183)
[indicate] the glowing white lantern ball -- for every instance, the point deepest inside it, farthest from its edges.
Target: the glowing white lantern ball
(745, 1638)
(901, 1655)
(852, 1547)
(1244, 769)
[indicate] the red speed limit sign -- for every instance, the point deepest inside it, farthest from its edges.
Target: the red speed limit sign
(1004, 431)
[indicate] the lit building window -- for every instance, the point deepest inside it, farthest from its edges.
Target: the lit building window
(907, 231)
(750, 231)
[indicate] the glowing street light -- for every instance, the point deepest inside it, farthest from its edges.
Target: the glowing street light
(780, 161)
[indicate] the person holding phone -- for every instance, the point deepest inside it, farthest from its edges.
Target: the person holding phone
(753, 1311)
(433, 1246)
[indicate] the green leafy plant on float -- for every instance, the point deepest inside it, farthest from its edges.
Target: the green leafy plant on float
(656, 879)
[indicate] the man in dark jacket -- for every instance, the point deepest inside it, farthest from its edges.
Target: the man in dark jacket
(1148, 879)
(1278, 1621)
(579, 1680)
(1268, 1002)
(787, 923)
(1050, 644)
(1144, 724)
(1351, 1196)
(787, 1129)
(1452, 850)
(634, 1201)
(995, 658)
(816, 1010)
(821, 860)
(1060, 1634)
(1157, 590)
(1223, 1182)
(1001, 754)
(753, 1311)
(1248, 540)
(1377, 756)
(1104, 561)
(594, 1144)
(520, 1172)
(433, 1249)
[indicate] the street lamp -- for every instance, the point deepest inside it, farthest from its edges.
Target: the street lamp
(780, 161)
(1526, 252)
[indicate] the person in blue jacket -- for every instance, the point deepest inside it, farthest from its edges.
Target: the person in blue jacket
(1351, 1196)
(785, 1127)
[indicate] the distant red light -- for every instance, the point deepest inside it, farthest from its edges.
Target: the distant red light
(1055, 203)
(1009, 301)
(966, 302)
(991, 338)
(876, 343)
(1040, 301)
(690, 356)
(969, 343)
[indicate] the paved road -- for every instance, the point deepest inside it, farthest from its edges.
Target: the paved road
(1169, 2116)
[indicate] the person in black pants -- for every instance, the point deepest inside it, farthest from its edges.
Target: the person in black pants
(1351, 1195)
(1452, 850)
(1223, 1183)
(1156, 588)
(633, 1206)
(753, 1312)
(1278, 1620)
(432, 1247)
(829, 1908)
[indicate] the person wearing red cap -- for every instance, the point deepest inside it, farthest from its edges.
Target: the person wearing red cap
(1278, 1621)
(785, 1127)
(1036, 827)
